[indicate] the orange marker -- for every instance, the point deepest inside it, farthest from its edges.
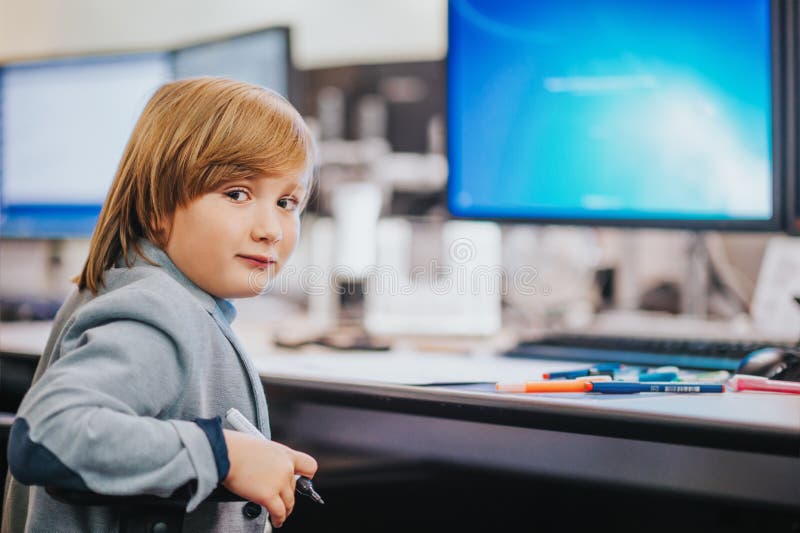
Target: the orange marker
(545, 386)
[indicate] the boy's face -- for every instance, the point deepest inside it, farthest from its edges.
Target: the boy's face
(232, 241)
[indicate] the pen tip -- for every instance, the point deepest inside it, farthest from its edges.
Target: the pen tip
(510, 387)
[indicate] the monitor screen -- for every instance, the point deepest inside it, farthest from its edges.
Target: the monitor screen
(261, 58)
(617, 112)
(64, 125)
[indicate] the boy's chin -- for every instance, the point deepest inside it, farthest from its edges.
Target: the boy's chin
(244, 292)
(256, 283)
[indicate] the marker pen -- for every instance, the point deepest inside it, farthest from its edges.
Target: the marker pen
(601, 368)
(240, 423)
(578, 385)
(658, 376)
(626, 387)
(742, 382)
(645, 376)
(559, 385)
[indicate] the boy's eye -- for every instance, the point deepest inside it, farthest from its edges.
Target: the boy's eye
(238, 195)
(290, 204)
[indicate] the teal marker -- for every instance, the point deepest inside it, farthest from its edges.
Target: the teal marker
(658, 376)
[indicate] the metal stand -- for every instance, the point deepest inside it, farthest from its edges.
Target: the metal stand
(626, 283)
(697, 282)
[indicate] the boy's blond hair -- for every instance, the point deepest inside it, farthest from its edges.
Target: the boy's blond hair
(192, 136)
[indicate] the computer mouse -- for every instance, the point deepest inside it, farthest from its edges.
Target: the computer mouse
(772, 363)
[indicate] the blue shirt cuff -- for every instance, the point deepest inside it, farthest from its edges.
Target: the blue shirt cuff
(212, 427)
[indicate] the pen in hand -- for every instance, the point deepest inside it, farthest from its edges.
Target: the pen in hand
(240, 423)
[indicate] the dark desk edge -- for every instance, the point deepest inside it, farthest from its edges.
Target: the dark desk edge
(22, 356)
(432, 402)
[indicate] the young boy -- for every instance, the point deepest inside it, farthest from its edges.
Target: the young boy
(142, 363)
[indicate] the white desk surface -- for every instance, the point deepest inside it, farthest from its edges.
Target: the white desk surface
(756, 410)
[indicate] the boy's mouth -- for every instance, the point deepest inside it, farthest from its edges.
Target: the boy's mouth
(260, 261)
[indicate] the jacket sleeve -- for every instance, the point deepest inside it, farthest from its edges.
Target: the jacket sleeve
(93, 419)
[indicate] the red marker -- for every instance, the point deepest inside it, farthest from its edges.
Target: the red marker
(742, 382)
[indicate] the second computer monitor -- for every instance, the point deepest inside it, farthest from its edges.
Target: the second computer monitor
(260, 57)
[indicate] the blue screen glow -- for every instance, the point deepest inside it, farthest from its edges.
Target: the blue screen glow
(610, 110)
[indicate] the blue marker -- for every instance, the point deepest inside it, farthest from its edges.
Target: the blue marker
(626, 387)
(602, 368)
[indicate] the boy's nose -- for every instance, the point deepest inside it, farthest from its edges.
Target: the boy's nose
(267, 227)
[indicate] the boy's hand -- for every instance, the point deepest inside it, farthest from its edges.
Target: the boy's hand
(262, 471)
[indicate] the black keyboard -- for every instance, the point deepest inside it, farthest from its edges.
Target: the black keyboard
(684, 353)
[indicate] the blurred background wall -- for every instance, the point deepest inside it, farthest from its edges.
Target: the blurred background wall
(324, 33)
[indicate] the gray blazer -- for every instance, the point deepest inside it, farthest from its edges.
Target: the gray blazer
(124, 401)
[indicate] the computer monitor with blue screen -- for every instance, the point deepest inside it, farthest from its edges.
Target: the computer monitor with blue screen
(659, 113)
(260, 57)
(64, 123)
(63, 127)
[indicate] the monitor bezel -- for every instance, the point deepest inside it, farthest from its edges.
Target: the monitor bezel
(792, 84)
(778, 44)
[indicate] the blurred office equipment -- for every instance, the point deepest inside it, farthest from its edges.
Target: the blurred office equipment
(356, 208)
(622, 114)
(381, 130)
(382, 123)
(775, 307)
(372, 281)
(458, 293)
(412, 94)
(552, 274)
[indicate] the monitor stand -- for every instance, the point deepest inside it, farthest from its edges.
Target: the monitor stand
(693, 320)
(349, 332)
(697, 281)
